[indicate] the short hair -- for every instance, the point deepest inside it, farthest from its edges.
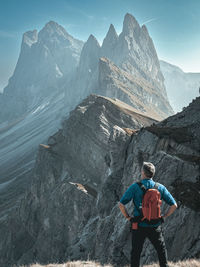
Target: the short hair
(149, 169)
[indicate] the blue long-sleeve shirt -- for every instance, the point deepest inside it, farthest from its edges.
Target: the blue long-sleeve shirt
(135, 194)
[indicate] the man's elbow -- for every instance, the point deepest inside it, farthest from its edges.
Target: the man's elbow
(175, 206)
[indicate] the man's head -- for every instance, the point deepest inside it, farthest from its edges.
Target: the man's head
(148, 170)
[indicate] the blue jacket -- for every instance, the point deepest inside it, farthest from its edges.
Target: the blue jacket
(135, 194)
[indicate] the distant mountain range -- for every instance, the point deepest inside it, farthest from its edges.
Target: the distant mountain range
(52, 61)
(181, 87)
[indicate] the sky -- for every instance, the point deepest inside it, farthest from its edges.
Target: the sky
(174, 26)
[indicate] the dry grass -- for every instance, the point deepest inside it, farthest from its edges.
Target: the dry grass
(70, 264)
(187, 263)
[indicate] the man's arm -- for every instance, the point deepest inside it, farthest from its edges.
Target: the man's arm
(168, 198)
(124, 211)
(127, 197)
(170, 210)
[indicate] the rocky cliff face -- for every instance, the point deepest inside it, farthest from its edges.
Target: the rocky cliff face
(137, 92)
(80, 158)
(32, 105)
(136, 54)
(71, 211)
(18, 147)
(46, 61)
(134, 72)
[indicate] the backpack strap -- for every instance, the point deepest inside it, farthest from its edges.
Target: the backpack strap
(142, 187)
(144, 190)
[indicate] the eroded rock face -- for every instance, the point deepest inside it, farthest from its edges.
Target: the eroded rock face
(78, 156)
(46, 61)
(32, 105)
(71, 210)
(125, 67)
(137, 92)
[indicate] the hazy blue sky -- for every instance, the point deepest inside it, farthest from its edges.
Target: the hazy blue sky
(174, 25)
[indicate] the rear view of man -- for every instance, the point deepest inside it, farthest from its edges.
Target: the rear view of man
(146, 223)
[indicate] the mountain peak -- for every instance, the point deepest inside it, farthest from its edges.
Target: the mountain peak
(51, 28)
(30, 37)
(53, 25)
(112, 34)
(111, 37)
(130, 24)
(90, 53)
(92, 41)
(144, 29)
(92, 38)
(145, 33)
(112, 29)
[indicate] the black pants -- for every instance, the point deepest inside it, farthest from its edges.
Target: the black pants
(155, 235)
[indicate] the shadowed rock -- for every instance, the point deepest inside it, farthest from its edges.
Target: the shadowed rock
(71, 209)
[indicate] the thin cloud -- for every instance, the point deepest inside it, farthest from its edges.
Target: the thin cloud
(7, 34)
(149, 20)
(90, 17)
(78, 10)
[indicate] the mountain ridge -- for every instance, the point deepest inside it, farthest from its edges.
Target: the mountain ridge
(78, 193)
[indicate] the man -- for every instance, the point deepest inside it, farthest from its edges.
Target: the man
(145, 229)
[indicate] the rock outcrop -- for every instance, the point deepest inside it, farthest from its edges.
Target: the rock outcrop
(71, 209)
(77, 157)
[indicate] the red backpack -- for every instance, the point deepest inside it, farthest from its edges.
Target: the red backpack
(151, 203)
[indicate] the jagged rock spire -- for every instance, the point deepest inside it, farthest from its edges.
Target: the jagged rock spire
(111, 36)
(90, 47)
(92, 41)
(130, 25)
(109, 42)
(90, 52)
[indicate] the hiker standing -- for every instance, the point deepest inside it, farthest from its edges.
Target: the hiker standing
(147, 197)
